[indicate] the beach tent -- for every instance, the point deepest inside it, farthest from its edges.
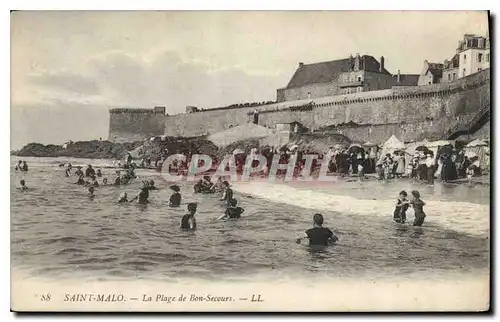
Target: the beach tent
(391, 145)
(239, 133)
(435, 145)
(480, 149)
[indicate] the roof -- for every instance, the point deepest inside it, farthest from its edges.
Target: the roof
(329, 71)
(453, 63)
(435, 69)
(406, 79)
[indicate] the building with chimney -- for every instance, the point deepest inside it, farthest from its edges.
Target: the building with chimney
(343, 76)
(474, 54)
(432, 73)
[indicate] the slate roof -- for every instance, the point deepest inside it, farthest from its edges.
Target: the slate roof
(435, 69)
(329, 71)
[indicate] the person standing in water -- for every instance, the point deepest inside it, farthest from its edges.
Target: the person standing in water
(232, 211)
(319, 235)
(19, 166)
(118, 178)
(90, 171)
(175, 198)
(188, 221)
(142, 196)
(25, 166)
(228, 193)
(99, 173)
(401, 207)
(429, 162)
(198, 187)
(22, 185)
(68, 170)
(418, 206)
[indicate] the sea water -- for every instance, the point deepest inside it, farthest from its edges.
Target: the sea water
(58, 232)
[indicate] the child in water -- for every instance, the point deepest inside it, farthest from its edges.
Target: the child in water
(91, 192)
(175, 199)
(22, 185)
(319, 235)
(232, 211)
(401, 207)
(418, 206)
(188, 221)
(123, 197)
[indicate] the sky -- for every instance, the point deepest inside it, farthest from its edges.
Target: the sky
(68, 68)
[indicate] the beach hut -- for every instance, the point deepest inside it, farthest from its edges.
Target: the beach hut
(481, 150)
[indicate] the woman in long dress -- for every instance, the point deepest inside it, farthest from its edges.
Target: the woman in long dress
(400, 170)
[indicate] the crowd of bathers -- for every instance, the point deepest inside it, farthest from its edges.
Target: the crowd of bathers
(318, 235)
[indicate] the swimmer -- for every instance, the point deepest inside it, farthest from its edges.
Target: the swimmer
(142, 196)
(175, 199)
(79, 171)
(188, 221)
(401, 207)
(93, 182)
(91, 192)
(208, 186)
(80, 181)
(104, 181)
(228, 193)
(319, 235)
(22, 185)
(90, 171)
(123, 197)
(152, 185)
(99, 173)
(25, 166)
(198, 187)
(232, 211)
(418, 206)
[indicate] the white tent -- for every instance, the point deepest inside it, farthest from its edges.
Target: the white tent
(238, 133)
(480, 149)
(391, 145)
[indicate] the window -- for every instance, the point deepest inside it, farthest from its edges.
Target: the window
(488, 57)
(449, 76)
(465, 58)
(479, 69)
(454, 76)
(464, 72)
(479, 57)
(359, 78)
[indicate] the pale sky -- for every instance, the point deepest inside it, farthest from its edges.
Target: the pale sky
(68, 68)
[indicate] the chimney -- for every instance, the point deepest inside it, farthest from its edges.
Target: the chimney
(301, 64)
(356, 62)
(350, 62)
(399, 75)
(382, 64)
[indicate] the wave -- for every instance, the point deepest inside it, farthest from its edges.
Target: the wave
(465, 217)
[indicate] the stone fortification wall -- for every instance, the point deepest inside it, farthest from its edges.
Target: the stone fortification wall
(128, 125)
(411, 113)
